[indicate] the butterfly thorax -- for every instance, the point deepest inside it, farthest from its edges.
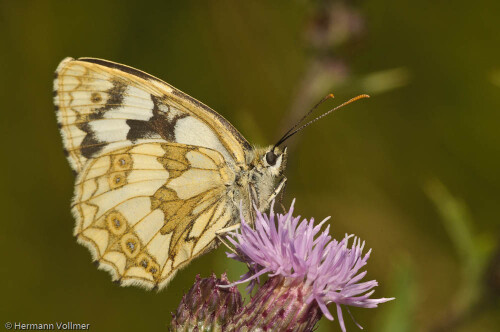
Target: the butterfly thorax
(257, 180)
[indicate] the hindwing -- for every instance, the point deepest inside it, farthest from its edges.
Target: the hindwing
(146, 210)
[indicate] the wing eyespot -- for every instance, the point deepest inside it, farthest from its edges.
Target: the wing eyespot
(116, 222)
(154, 269)
(117, 180)
(95, 97)
(143, 260)
(122, 162)
(130, 245)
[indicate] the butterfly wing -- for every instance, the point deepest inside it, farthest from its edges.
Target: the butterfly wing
(152, 165)
(102, 105)
(146, 210)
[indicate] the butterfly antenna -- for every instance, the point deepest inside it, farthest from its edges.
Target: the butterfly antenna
(282, 139)
(292, 132)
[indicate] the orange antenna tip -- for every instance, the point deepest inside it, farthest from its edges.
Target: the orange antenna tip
(360, 97)
(293, 131)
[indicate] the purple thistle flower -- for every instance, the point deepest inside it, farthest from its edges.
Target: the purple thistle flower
(285, 247)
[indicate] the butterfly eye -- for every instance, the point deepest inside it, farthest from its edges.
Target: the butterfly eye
(271, 158)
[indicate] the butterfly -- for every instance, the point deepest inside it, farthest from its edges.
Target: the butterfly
(159, 175)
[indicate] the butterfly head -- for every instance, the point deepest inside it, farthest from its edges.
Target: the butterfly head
(271, 161)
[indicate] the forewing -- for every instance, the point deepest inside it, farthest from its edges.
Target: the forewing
(102, 106)
(147, 210)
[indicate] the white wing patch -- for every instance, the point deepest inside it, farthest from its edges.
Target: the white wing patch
(194, 182)
(192, 131)
(111, 130)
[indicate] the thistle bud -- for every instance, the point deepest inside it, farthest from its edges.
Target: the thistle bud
(206, 306)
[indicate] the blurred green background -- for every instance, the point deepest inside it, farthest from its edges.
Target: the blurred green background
(414, 170)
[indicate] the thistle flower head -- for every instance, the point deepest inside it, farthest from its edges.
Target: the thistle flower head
(285, 246)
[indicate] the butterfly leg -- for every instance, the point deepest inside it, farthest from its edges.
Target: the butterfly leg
(254, 201)
(282, 193)
(228, 229)
(221, 232)
(280, 186)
